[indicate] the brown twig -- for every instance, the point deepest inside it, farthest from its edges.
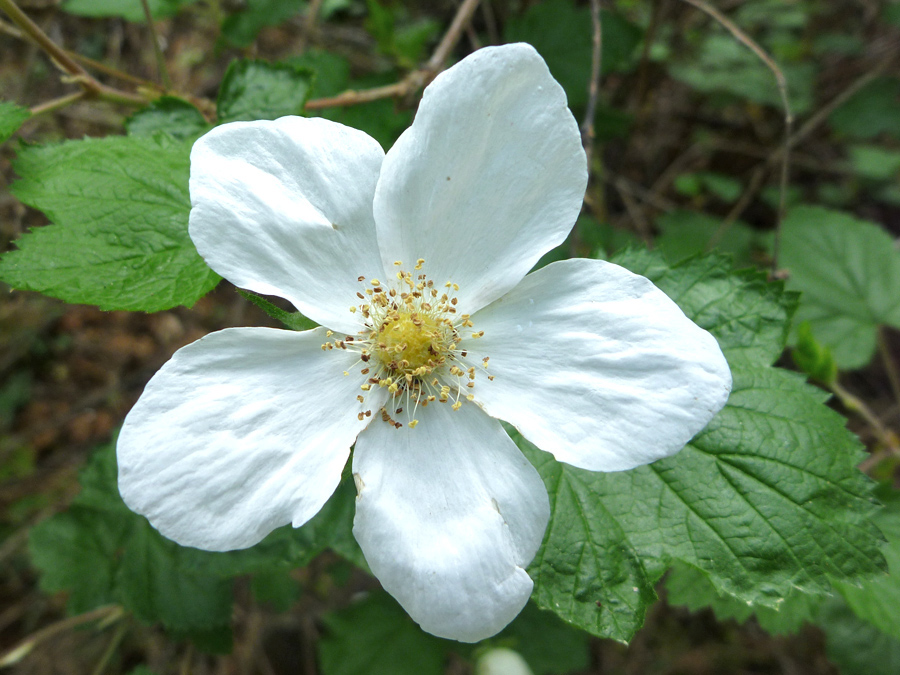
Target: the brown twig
(57, 103)
(309, 24)
(161, 67)
(748, 42)
(855, 404)
(451, 37)
(85, 61)
(890, 365)
(21, 650)
(416, 79)
(64, 60)
(587, 126)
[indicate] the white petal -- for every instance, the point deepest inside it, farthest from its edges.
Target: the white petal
(285, 208)
(241, 432)
(489, 177)
(597, 366)
(448, 516)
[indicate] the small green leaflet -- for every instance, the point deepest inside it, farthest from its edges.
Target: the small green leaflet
(11, 118)
(293, 320)
(119, 238)
(872, 111)
(765, 501)
(688, 586)
(242, 27)
(168, 114)
(258, 90)
(857, 647)
(878, 600)
(849, 273)
(100, 553)
(130, 10)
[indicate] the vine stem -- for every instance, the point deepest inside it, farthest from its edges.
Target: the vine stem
(889, 364)
(416, 79)
(748, 42)
(109, 613)
(587, 126)
(64, 60)
(885, 436)
(161, 66)
(57, 103)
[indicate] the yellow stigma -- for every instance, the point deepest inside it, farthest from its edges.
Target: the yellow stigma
(410, 342)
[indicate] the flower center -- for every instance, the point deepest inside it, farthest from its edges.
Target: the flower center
(410, 342)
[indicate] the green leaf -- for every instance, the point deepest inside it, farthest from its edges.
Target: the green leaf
(258, 90)
(586, 571)
(874, 162)
(293, 320)
(242, 27)
(101, 553)
(721, 185)
(332, 72)
(130, 10)
(724, 65)
(155, 579)
(765, 501)
(275, 587)
(812, 357)
(857, 647)
(747, 314)
(877, 601)
(562, 33)
(168, 114)
(11, 118)
(848, 271)
(119, 238)
(376, 637)
(686, 585)
(872, 111)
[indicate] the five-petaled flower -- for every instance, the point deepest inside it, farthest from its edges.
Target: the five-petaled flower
(415, 263)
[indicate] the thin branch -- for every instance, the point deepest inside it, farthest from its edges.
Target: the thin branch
(886, 437)
(21, 650)
(65, 61)
(748, 42)
(161, 66)
(889, 364)
(416, 79)
(59, 55)
(352, 97)
(309, 24)
(85, 61)
(587, 126)
(451, 37)
(57, 103)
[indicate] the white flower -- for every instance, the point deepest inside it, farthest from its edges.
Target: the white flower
(248, 429)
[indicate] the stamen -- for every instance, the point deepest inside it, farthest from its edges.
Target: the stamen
(410, 337)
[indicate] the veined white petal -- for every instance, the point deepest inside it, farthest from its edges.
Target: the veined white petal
(490, 175)
(242, 431)
(285, 208)
(448, 516)
(598, 366)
